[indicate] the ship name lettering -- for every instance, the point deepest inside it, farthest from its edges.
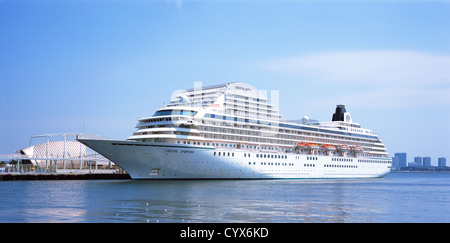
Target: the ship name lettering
(242, 88)
(187, 151)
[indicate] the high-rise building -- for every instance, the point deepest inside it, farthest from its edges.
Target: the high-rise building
(401, 159)
(395, 165)
(418, 161)
(442, 162)
(426, 161)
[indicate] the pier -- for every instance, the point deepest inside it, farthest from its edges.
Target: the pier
(61, 176)
(91, 167)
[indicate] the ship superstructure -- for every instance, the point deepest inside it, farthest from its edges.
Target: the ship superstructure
(232, 131)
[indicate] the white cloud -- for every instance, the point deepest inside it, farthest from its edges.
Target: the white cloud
(388, 78)
(177, 2)
(391, 98)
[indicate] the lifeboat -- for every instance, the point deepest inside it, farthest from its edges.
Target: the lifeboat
(328, 147)
(312, 146)
(357, 149)
(342, 148)
(301, 146)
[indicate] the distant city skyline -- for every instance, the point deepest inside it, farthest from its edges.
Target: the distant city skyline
(403, 160)
(97, 66)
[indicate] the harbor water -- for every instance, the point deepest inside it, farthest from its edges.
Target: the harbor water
(398, 197)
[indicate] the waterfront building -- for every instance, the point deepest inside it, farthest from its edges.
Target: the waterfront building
(395, 163)
(401, 159)
(62, 151)
(426, 161)
(418, 161)
(442, 162)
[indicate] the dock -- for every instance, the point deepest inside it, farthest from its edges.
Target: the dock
(88, 170)
(62, 176)
(18, 171)
(90, 167)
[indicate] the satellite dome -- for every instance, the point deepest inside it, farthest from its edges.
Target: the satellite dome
(305, 119)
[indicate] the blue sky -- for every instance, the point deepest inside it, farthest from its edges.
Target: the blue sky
(97, 65)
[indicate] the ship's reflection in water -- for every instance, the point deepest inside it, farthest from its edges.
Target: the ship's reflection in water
(232, 201)
(395, 198)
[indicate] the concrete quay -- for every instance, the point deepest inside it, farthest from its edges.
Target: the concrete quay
(63, 176)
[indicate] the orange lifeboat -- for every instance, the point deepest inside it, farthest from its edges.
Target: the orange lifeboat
(342, 148)
(301, 146)
(328, 147)
(312, 146)
(357, 149)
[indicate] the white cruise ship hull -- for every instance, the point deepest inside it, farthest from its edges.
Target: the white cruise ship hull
(143, 160)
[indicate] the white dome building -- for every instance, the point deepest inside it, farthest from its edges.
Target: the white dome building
(67, 154)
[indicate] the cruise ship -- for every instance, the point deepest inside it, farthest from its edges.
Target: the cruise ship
(232, 131)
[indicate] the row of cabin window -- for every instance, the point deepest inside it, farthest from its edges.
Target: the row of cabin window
(207, 144)
(271, 163)
(224, 154)
(342, 159)
(341, 166)
(375, 161)
(270, 156)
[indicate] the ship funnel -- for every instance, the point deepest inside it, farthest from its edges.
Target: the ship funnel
(341, 114)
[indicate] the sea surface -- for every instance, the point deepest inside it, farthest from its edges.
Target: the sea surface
(398, 197)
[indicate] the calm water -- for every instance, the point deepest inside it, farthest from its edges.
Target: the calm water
(398, 197)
